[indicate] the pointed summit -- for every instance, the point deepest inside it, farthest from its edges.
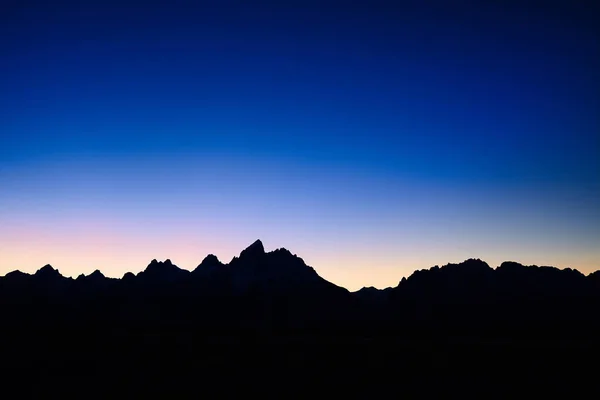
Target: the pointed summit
(258, 245)
(209, 265)
(278, 271)
(47, 271)
(254, 250)
(97, 275)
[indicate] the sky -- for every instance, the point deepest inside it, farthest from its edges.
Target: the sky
(372, 139)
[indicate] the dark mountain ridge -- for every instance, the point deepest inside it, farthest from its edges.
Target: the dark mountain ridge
(269, 314)
(255, 267)
(277, 290)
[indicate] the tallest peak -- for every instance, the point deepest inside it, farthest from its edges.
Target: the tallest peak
(255, 248)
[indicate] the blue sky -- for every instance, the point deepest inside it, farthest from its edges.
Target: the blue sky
(370, 139)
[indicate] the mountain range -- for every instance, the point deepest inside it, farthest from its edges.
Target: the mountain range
(267, 314)
(277, 290)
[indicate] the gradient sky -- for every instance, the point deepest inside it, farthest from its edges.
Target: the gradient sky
(370, 140)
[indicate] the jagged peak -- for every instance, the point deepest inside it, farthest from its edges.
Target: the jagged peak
(97, 274)
(470, 266)
(258, 245)
(474, 261)
(255, 249)
(209, 264)
(155, 263)
(283, 251)
(158, 269)
(47, 270)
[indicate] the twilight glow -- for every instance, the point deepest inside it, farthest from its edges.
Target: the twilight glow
(371, 142)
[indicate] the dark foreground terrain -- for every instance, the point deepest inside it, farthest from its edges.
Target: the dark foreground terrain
(192, 365)
(266, 322)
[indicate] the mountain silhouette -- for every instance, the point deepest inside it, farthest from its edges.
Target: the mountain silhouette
(277, 290)
(95, 276)
(47, 272)
(209, 264)
(253, 252)
(161, 272)
(272, 308)
(372, 294)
